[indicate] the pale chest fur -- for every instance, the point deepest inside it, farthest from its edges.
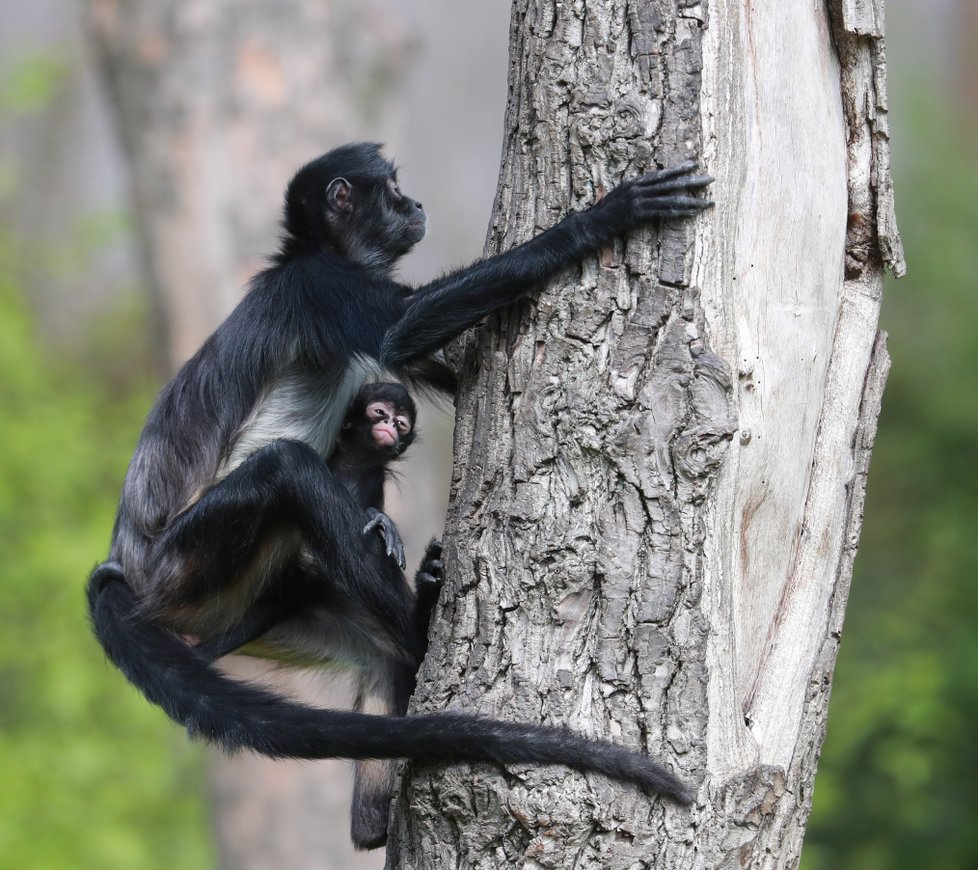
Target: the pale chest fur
(300, 406)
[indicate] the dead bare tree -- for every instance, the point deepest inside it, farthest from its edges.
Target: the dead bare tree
(660, 464)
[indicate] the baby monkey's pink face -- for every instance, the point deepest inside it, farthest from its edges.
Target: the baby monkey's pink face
(387, 423)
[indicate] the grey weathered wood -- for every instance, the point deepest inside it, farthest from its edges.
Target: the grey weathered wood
(660, 464)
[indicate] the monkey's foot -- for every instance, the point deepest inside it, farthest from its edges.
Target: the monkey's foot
(388, 531)
(431, 567)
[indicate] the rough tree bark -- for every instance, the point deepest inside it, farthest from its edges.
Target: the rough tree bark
(660, 465)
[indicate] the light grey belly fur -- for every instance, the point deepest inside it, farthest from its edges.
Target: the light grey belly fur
(301, 406)
(308, 407)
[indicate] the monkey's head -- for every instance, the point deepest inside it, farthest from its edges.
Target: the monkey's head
(379, 425)
(348, 201)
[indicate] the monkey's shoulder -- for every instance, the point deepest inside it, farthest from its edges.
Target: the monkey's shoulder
(319, 305)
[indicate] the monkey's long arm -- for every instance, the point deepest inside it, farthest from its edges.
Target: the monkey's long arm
(238, 715)
(442, 309)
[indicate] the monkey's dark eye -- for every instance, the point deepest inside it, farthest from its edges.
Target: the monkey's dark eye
(395, 191)
(402, 424)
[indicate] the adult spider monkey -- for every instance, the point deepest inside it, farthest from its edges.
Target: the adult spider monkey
(228, 497)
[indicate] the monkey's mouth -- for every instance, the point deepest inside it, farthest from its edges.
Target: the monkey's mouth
(384, 436)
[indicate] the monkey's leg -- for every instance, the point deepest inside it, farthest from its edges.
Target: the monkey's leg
(232, 545)
(260, 618)
(385, 688)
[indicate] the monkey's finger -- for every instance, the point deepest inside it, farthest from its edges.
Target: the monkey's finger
(431, 570)
(381, 522)
(693, 182)
(683, 168)
(392, 542)
(668, 206)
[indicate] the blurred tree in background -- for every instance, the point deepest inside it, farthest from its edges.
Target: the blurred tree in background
(72, 796)
(95, 777)
(898, 780)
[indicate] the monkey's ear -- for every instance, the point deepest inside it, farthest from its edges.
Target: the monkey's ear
(339, 194)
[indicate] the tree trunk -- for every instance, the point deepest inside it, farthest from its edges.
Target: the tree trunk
(660, 464)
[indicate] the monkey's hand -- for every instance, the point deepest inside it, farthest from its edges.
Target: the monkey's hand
(661, 194)
(427, 585)
(388, 531)
(428, 580)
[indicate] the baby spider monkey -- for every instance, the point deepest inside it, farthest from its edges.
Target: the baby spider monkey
(379, 426)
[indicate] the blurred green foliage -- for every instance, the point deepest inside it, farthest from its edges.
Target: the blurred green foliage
(32, 84)
(95, 777)
(92, 776)
(898, 779)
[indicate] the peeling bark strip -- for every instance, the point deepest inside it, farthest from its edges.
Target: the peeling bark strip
(617, 562)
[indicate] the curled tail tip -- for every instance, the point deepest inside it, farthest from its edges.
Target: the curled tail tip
(669, 785)
(666, 785)
(654, 778)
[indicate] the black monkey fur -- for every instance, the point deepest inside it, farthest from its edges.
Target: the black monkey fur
(228, 496)
(361, 465)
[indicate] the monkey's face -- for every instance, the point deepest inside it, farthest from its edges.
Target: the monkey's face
(350, 200)
(384, 224)
(405, 216)
(371, 221)
(379, 425)
(391, 428)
